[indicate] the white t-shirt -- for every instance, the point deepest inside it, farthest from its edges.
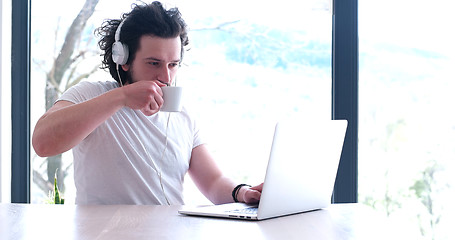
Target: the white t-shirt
(118, 163)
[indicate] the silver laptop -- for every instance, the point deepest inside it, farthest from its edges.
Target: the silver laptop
(300, 173)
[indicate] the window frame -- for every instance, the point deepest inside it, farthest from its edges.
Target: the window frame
(345, 78)
(20, 101)
(344, 98)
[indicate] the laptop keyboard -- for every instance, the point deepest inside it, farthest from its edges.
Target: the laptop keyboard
(250, 210)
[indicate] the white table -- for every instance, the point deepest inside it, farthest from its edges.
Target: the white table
(339, 221)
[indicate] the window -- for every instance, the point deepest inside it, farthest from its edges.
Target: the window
(248, 67)
(406, 125)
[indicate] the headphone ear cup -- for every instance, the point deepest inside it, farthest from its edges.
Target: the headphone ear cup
(119, 53)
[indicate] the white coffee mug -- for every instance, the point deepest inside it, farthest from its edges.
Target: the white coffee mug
(172, 97)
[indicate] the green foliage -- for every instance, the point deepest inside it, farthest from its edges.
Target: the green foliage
(425, 190)
(424, 187)
(55, 197)
(256, 44)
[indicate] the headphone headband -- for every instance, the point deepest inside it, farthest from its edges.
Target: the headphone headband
(117, 32)
(119, 50)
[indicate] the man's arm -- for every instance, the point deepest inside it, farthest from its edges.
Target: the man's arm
(213, 184)
(66, 124)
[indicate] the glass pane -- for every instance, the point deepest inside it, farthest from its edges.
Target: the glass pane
(246, 68)
(407, 127)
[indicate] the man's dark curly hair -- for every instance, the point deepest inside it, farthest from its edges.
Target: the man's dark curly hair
(147, 19)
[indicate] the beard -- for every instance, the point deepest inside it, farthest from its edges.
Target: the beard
(129, 75)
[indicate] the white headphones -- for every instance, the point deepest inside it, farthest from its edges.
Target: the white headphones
(119, 50)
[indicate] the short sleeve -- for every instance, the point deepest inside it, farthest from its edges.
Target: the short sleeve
(84, 91)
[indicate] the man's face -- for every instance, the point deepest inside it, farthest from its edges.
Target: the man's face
(157, 59)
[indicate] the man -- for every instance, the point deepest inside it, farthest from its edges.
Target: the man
(125, 150)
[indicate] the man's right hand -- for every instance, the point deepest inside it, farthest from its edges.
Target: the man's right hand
(145, 96)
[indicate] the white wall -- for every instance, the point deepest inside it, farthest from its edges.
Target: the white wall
(5, 101)
(1, 114)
